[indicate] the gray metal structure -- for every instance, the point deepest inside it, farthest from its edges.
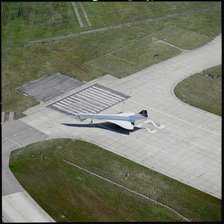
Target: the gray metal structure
(92, 99)
(49, 87)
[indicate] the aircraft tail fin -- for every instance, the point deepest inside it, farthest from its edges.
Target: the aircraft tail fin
(144, 113)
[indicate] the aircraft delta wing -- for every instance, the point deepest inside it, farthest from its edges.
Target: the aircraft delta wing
(124, 120)
(124, 124)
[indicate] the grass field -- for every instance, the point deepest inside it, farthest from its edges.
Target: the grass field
(205, 23)
(73, 57)
(70, 194)
(26, 21)
(112, 13)
(118, 52)
(201, 91)
(133, 58)
(181, 37)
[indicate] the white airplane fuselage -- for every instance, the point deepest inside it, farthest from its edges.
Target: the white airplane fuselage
(124, 120)
(131, 117)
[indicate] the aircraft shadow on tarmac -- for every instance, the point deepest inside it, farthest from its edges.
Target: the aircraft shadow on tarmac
(105, 125)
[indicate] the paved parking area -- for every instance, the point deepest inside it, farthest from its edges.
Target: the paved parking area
(188, 148)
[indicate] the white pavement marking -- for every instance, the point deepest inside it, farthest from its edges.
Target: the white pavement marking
(151, 108)
(155, 124)
(151, 131)
(127, 189)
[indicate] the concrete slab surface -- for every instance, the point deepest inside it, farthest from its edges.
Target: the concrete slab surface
(188, 148)
(20, 133)
(51, 86)
(17, 205)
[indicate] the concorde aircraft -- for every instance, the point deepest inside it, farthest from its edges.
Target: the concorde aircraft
(124, 120)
